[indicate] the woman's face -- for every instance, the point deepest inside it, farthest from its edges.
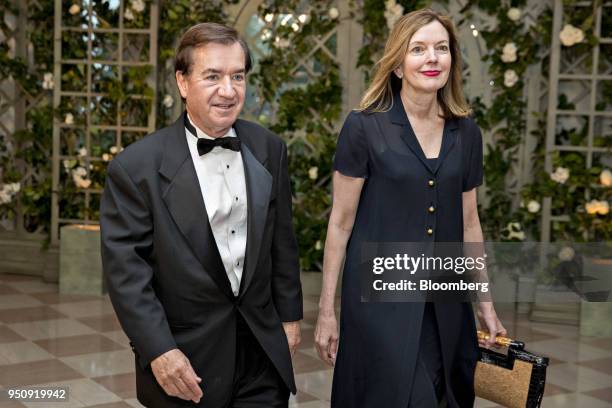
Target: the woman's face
(427, 63)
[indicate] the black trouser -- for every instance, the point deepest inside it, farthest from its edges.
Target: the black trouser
(257, 383)
(428, 386)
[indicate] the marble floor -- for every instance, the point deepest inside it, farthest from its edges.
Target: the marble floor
(76, 341)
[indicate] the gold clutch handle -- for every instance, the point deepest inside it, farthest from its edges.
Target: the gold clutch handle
(500, 340)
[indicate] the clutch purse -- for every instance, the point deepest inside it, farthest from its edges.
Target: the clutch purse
(515, 380)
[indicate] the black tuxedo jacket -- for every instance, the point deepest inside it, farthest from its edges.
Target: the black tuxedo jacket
(164, 273)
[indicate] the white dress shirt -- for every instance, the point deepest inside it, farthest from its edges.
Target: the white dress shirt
(222, 183)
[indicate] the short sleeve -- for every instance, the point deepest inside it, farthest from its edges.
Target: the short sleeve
(473, 166)
(351, 158)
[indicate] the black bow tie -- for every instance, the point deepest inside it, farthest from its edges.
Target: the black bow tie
(206, 145)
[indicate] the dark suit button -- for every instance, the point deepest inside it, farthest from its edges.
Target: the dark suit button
(233, 231)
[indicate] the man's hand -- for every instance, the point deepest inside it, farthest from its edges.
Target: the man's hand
(489, 322)
(294, 337)
(174, 373)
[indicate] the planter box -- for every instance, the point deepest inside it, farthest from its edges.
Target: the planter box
(26, 255)
(80, 262)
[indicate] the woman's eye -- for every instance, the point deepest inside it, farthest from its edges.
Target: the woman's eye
(417, 49)
(443, 48)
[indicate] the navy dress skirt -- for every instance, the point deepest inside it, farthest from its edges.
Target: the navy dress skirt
(395, 355)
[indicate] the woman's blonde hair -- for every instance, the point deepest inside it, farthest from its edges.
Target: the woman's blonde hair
(379, 95)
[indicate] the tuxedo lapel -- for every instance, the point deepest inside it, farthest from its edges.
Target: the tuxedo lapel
(184, 201)
(259, 187)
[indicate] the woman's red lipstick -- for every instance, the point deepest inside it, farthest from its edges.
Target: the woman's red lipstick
(431, 73)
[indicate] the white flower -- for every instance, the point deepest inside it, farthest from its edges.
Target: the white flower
(571, 35)
(106, 157)
(81, 182)
(509, 52)
(14, 187)
(295, 27)
(168, 101)
(566, 253)
(281, 42)
(269, 17)
(114, 150)
(597, 207)
(605, 178)
(560, 175)
(5, 197)
(83, 151)
(514, 13)
(69, 119)
(393, 12)
(318, 245)
(128, 14)
(48, 82)
(533, 206)
(74, 9)
(137, 5)
(510, 78)
(313, 173)
(68, 164)
(333, 13)
(80, 171)
(515, 231)
(303, 18)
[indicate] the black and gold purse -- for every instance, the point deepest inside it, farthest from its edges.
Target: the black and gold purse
(515, 380)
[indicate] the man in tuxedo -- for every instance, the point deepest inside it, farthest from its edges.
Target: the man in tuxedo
(198, 247)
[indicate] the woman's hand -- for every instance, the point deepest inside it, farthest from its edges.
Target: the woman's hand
(489, 322)
(326, 336)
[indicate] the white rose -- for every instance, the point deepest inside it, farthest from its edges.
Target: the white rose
(168, 101)
(303, 18)
(137, 5)
(74, 9)
(269, 17)
(106, 157)
(520, 235)
(128, 14)
(79, 171)
(48, 82)
(15, 187)
(113, 149)
(5, 197)
(533, 206)
(313, 173)
(566, 254)
(393, 12)
(69, 119)
(318, 245)
(510, 78)
(83, 152)
(597, 207)
(560, 175)
(571, 35)
(295, 27)
(514, 13)
(333, 13)
(281, 42)
(605, 178)
(509, 52)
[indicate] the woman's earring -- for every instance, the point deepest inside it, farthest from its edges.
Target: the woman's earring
(399, 75)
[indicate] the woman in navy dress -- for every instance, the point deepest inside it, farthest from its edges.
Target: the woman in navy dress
(407, 165)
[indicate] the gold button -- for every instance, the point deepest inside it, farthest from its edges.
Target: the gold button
(429, 231)
(431, 183)
(431, 209)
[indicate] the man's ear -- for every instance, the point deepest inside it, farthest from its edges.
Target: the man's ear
(181, 81)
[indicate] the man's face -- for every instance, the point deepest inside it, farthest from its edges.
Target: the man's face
(215, 87)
